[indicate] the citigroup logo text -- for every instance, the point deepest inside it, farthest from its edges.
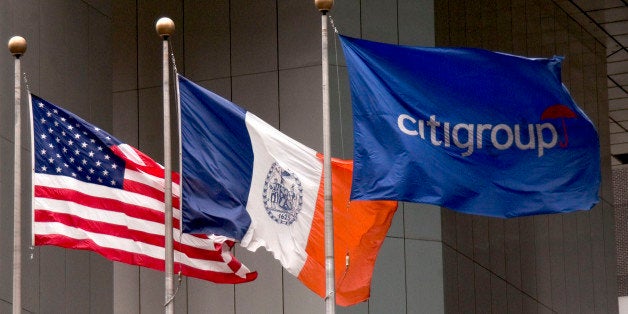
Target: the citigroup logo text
(469, 137)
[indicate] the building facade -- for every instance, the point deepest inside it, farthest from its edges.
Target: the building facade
(102, 60)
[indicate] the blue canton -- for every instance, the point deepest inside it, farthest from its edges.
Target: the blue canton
(67, 145)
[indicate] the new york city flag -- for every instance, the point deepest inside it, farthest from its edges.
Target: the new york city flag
(244, 179)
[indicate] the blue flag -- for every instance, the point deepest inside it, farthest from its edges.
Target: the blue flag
(475, 131)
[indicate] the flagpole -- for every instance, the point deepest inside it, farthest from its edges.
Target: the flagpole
(17, 47)
(330, 296)
(165, 28)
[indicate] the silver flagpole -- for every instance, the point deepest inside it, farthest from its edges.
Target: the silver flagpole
(17, 47)
(330, 296)
(165, 28)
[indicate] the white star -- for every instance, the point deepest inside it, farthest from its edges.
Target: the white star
(107, 157)
(50, 130)
(71, 160)
(100, 180)
(41, 105)
(98, 163)
(91, 170)
(113, 182)
(51, 160)
(63, 119)
(43, 121)
(105, 172)
(58, 156)
(49, 114)
(55, 111)
(51, 146)
(74, 174)
(58, 169)
(79, 168)
(114, 166)
(70, 142)
(77, 136)
(63, 133)
(96, 129)
(66, 165)
(93, 140)
(77, 151)
(83, 144)
(43, 152)
(43, 136)
(56, 123)
(58, 140)
(88, 178)
(91, 154)
(44, 168)
(65, 150)
(84, 161)
(70, 127)
(99, 148)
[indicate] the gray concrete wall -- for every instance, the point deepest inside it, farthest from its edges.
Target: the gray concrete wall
(68, 62)
(101, 60)
(620, 189)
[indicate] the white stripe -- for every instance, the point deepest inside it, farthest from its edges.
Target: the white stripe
(286, 242)
(108, 241)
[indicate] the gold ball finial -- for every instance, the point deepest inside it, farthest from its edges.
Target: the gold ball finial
(324, 5)
(164, 27)
(17, 45)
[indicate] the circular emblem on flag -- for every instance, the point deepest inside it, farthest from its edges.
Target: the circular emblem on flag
(283, 195)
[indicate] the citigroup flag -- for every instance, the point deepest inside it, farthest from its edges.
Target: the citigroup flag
(476, 131)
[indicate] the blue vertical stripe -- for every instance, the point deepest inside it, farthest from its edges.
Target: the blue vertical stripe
(217, 159)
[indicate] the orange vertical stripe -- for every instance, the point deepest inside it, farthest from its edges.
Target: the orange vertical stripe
(360, 228)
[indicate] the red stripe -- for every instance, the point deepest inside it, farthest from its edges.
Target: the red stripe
(107, 204)
(140, 259)
(124, 232)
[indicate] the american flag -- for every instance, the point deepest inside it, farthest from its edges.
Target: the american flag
(93, 192)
